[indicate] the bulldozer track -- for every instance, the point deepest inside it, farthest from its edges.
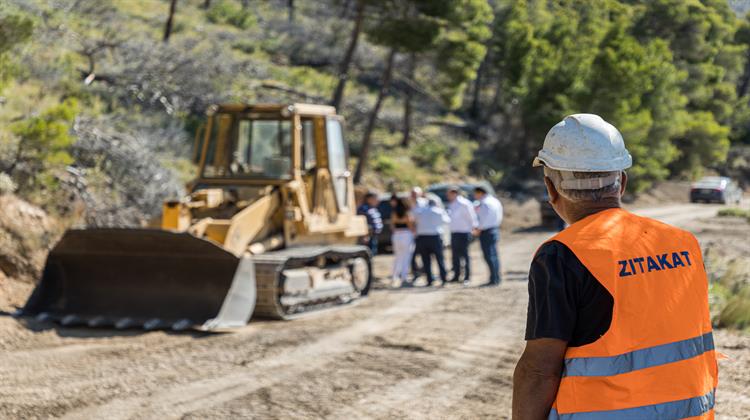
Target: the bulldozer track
(269, 278)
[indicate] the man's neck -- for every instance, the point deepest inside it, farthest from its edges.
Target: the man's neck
(576, 213)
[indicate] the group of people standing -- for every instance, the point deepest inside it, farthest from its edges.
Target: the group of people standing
(418, 224)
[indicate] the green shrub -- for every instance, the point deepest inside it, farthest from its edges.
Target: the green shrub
(462, 156)
(227, 12)
(429, 153)
(385, 165)
(736, 312)
(44, 143)
(184, 169)
(303, 79)
(14, 30)
(735, 212)
(246, 46)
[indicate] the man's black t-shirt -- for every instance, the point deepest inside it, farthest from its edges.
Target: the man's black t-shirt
(565, 301)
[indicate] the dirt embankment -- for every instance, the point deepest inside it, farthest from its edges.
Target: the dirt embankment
(26, 234)
(661, 193)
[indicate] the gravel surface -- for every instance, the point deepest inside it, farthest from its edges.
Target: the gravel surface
(408, 353)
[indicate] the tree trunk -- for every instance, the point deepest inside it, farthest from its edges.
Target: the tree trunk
(290, 10)
(338, 95)
(344, 9)
(170, 19)
(206, 4)
(245, 4)
(384, 86)
(745, 79)
(477, 93)
(497, 99)
(408, 110)
(521, 137)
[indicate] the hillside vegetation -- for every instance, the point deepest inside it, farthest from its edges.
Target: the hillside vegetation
(99, 101)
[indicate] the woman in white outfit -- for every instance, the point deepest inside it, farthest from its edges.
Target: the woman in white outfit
(402, 239)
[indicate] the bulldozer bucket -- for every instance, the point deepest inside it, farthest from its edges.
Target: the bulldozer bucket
(147, 278)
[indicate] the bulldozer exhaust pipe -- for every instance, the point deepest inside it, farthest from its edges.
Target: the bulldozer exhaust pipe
(153, 279)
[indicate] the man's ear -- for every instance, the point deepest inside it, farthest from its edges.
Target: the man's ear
(551, 190)
(623, 182)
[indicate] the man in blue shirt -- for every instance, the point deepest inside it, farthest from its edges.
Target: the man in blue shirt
(463, 222)
(490, 215)
(430, 221)
(369, 209)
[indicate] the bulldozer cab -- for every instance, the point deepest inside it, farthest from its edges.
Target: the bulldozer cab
(268, 143)
(248, 146)
(272, 145)
(297, 151)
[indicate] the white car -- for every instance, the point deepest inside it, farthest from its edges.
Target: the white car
(716, 189)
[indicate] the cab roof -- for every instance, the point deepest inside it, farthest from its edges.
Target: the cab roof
(294, 108)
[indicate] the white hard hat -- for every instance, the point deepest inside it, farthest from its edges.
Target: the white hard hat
(584, 143)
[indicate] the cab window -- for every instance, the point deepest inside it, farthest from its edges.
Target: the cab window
(249, 146)
(308, 144)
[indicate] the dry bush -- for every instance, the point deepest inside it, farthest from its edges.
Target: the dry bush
(118, 174)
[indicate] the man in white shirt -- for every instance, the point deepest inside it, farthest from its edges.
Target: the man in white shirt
(463, 222)
(417, 201)
(417, 198)
(430, 221)
(489, 215)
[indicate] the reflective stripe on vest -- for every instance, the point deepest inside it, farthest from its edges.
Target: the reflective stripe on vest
(639, 359)
(690, 407)
(657, 359)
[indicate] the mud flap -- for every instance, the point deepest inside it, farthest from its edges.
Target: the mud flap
(146, 278)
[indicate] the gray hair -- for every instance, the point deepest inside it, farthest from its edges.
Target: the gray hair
(598, 187)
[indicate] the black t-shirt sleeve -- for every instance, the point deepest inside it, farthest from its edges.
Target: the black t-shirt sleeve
(552, 305)
(565, 301)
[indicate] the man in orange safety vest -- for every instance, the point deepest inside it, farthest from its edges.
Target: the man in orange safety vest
(618, 324)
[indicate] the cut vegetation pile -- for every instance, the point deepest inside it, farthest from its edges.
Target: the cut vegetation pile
(729, 274)
(730, 293)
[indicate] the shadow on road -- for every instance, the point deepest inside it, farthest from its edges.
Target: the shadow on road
(33, 325)
(534, 229)
(383, 284)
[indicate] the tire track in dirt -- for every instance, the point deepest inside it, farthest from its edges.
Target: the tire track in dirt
(354, 384)
(457, 375)
(149, 344)
(179, 400)
(73, 375)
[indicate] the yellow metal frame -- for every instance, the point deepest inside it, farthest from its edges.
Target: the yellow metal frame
(291, 211)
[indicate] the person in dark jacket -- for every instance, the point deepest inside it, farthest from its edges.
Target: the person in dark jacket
(369, 209)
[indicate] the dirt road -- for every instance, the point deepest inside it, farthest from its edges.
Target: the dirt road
(418, 353)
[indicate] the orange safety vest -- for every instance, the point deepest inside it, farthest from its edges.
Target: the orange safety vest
(657, 360)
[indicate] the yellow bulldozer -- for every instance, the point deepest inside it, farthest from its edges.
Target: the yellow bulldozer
(269, 229)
